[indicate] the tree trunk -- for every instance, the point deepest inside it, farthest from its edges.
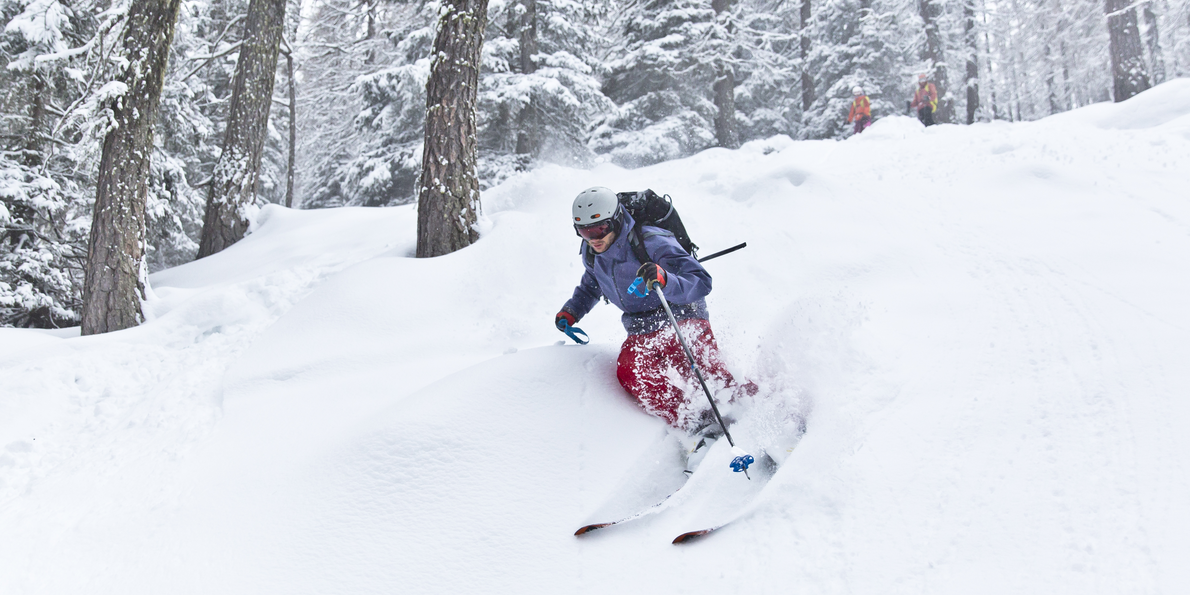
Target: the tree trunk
(931, 11)
(32, 152)
(987, 46)
(1067, 94)
(1051, 87)
(1129, 75)
(528, 36)
(37, 133)
(115, 274)
(972, 79)
(233, 185)
(371, 31)
(289, 173)
(528, 140)
(1153, 40)
(807, 81)
(448, 192)
(726, 132)
(1061, 32)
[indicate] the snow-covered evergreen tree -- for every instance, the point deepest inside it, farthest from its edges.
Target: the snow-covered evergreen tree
(661, 81)
(362, 110)
(1045, 57)
(49, 64)
(865, 43)
(764, 53)
(537, 96)
(1174, 20)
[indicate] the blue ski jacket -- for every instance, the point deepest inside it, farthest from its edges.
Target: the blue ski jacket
(686, 282)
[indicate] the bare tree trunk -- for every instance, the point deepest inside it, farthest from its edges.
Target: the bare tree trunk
(1061, 31)
(233, 185)
(807, 81)
(726, 132)
(289, 173)
(972, 80)
(371, 31)
(931, 12)
(448, 193)
(1017, 91)
(1153, 40)
(528, 140)
(1051, 74)
(528, 36)
(36, 135)
(987, 45)
(33, 149)
(115, 274)
(1067, 93)
(1129, 75)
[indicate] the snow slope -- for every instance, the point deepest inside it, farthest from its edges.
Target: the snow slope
(985, 324)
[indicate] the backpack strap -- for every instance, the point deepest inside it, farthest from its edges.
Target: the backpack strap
(636, 241)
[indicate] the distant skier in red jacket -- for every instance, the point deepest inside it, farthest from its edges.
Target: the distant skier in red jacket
(925, 100)
(861, 110)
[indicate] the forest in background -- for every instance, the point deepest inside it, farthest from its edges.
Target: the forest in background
(576, 83)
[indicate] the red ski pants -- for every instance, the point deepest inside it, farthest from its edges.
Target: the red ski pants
(653, 369)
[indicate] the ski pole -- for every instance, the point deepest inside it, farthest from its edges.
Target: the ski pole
(742, 458)
(722, 252)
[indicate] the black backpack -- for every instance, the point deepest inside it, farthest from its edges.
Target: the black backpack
(649, 208)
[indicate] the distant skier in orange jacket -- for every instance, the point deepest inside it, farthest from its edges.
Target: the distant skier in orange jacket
(925, 100)
(861, 110)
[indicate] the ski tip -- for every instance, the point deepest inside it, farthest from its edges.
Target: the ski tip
(683, 538)
(588, 528)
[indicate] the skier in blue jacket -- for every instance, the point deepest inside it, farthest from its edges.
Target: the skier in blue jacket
(652, 366)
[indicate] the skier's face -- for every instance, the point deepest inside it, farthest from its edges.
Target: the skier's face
(603, 243)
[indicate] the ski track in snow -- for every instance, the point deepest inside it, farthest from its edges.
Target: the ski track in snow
(984, 324)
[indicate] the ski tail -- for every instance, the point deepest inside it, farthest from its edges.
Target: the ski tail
(690, 535)
(588, 528)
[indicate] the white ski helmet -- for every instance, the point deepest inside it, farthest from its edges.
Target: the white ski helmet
(858, 90)
(594, 205)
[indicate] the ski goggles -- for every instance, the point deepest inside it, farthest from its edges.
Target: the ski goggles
(594, 231)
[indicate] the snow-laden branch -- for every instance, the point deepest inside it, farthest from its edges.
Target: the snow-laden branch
(1132, 6)
(207, 59)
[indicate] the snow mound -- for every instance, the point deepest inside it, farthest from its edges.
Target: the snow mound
(1165, 104)
(985, 325)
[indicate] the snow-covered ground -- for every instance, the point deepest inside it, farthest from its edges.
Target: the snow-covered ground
(987, 325)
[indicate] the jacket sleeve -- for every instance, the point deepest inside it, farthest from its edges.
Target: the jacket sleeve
(686, 281)
(586, 295)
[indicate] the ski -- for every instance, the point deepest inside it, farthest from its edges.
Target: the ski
(711, 497)
(665, 501)
(658, 507)
(766, 469)
(654, 478)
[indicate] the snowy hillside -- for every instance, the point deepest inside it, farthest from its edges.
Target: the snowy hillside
(987, 326)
